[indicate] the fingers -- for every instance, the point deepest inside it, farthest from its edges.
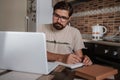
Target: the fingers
(87, 60)
(72, 59)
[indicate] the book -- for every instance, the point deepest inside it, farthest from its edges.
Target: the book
(96, 72)
(71, 66)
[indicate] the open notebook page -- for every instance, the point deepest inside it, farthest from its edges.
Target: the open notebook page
(72, 66)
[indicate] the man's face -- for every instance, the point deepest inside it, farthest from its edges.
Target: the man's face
(60, 19)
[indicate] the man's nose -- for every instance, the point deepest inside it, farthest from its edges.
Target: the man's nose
(59, 19)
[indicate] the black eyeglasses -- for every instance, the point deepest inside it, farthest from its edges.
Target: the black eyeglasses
(63, 18)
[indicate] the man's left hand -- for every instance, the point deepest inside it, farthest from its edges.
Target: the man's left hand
(86, 60)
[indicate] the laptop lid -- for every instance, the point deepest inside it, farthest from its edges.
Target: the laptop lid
(23, 51)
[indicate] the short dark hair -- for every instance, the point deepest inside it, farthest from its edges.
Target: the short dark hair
(64, 6)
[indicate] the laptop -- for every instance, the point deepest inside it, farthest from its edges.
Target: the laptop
(24, 51)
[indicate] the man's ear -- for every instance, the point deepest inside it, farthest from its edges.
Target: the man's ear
(69, 19)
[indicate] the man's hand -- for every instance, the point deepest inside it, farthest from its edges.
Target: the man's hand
(86, 60)
(69, 58)
(72, 59)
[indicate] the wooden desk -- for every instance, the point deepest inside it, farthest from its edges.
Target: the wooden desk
(15, 75)
(51, 75)
(95, 72)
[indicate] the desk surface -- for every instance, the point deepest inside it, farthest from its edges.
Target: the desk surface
(15, 75)
(93, 72)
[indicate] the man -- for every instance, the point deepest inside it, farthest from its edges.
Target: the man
(64, 43)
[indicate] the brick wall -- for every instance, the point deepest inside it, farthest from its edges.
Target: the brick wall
(103, 12)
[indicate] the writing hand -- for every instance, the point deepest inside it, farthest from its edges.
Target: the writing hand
(72, 59)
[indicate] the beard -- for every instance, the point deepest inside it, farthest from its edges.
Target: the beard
(58, 26)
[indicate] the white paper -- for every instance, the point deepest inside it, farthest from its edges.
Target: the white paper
(72, 66)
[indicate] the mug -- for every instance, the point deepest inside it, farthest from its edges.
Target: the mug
(98, 32)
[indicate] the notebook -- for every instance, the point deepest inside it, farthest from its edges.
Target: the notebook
(71, 66)
(24, 51)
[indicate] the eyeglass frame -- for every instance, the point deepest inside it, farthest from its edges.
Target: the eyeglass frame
(63, 18)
